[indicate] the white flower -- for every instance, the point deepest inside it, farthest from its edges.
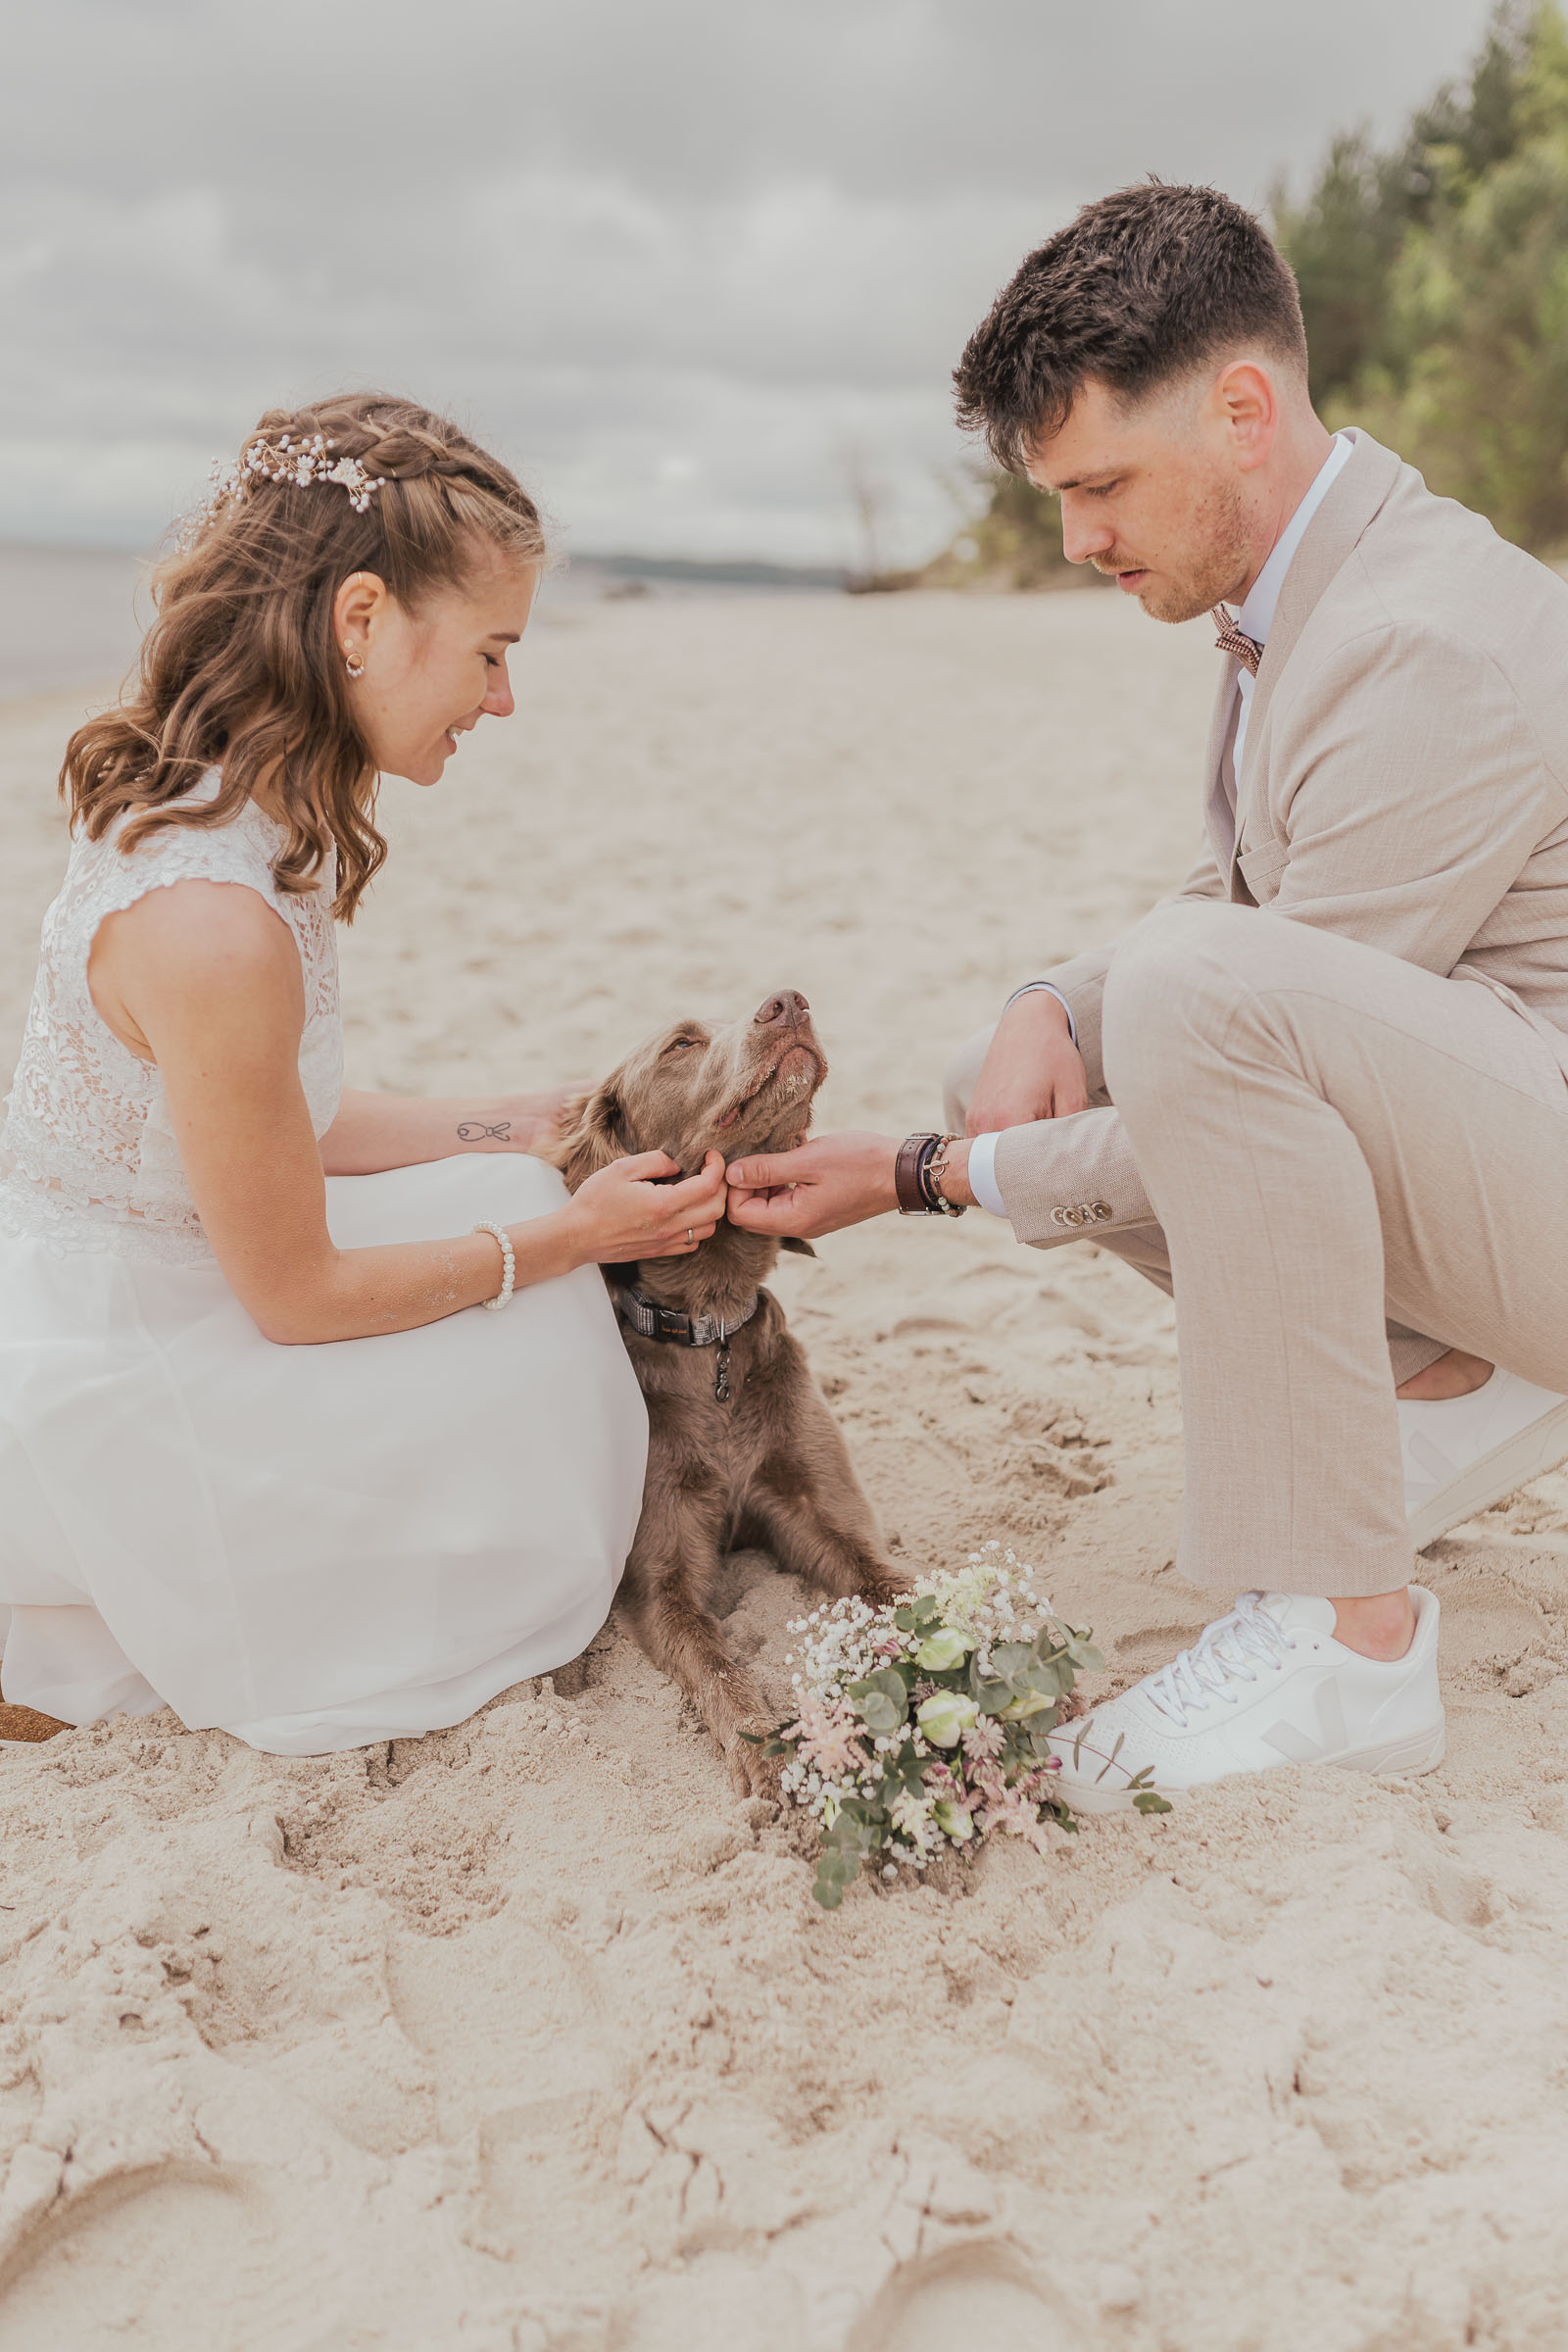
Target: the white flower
(946, 1716)
(1018, 1710)
(942, 1651)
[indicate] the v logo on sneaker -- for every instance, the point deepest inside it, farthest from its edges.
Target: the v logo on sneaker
(1298, 1748)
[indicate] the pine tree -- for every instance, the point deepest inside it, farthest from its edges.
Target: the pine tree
(1435, 283)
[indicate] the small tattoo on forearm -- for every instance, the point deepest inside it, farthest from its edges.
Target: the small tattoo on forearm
(474, 1131)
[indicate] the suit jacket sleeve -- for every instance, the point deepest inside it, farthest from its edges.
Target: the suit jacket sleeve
(1053, 1168)
(1082, 979)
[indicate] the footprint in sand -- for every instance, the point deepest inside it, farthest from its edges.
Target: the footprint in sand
(968, 2296)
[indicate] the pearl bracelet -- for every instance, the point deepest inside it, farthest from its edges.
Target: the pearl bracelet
(508, 1266)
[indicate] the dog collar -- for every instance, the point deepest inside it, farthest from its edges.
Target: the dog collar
(656, 1322)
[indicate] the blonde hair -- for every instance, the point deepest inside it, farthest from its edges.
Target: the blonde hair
(241, 668)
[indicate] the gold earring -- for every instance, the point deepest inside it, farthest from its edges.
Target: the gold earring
(355, 669)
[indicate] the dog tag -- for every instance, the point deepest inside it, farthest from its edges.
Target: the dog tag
(722, 1372)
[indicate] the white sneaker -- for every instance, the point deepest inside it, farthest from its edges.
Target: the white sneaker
(1464, 1452)
(1268, 1685)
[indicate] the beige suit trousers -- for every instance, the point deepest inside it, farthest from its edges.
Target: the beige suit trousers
(1342, 1150)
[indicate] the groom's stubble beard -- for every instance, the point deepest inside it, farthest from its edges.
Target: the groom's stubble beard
(1214, 564)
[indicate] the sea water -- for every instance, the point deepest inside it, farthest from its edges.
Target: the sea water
(68, 618)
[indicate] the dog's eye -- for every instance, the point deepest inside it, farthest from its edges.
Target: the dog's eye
(682, 1045)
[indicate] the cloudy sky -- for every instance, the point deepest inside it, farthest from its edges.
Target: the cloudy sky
(683, 261)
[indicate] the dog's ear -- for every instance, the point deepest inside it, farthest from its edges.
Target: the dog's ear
(591, 1135)
(793, 1240)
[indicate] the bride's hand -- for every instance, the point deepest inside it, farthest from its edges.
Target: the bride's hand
(622, 1213)
(538, 1118)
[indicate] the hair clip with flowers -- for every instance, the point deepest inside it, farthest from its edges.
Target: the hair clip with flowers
(303, 462)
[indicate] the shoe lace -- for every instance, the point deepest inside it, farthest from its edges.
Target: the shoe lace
(1230, 1650)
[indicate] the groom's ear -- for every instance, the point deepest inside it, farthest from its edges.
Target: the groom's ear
(591, 1134)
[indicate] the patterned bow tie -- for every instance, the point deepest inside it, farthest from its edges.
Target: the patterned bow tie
(1249, 653)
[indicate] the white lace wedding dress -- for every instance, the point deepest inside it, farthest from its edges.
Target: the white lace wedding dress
(313, 1547)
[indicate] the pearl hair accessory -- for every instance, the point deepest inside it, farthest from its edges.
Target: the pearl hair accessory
(304, 463)
(508, 1266)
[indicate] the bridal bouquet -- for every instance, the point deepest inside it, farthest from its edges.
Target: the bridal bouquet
(924, 1725)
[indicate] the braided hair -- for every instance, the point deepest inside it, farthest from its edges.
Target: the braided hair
(241, 670)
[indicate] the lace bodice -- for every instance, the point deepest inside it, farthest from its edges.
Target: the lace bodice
(88, 1155)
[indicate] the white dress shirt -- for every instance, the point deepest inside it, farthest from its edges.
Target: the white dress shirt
(1254, 619)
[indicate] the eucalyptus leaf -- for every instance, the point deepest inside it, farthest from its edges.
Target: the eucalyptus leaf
(849, 1818)
(882, 1701)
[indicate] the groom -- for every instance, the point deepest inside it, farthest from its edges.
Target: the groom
(1323, 1091)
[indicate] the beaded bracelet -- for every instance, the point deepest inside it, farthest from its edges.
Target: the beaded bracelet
(508, 1266)
(933, 1166)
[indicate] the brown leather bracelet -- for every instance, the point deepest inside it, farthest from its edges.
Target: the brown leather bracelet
(911, 1198)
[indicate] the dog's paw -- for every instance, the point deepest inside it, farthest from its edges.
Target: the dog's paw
(881, 1585)
(751, 1773)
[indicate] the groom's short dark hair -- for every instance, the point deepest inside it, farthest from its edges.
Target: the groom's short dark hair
(1141, 287)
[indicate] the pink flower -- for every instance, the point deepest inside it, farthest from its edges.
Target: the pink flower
(1016, 1817)
(983, 1739)
(829, 1736)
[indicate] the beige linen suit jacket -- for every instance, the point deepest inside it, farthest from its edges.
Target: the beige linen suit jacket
(1404, 783)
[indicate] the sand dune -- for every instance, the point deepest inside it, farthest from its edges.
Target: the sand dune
(528, 2034)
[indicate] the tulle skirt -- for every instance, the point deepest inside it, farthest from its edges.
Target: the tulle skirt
(311, 1547)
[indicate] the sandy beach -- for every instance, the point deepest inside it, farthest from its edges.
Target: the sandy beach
(529, 2035)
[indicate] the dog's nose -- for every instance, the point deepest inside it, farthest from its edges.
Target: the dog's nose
(786, 1010)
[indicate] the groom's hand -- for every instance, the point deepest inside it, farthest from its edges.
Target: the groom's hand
(838, 1180)
(1032, 1070)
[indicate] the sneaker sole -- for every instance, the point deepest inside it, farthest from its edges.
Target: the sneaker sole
(1536, 1448)
(1417, 1752)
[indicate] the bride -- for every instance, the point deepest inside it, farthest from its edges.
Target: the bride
(261, 1457)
